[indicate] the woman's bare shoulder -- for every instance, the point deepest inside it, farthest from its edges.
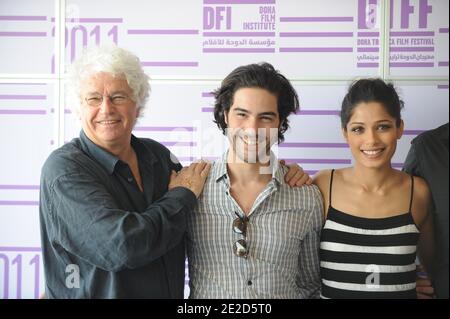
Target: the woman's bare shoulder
(322, 178)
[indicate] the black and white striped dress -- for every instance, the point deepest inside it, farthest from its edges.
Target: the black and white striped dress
(367, 257)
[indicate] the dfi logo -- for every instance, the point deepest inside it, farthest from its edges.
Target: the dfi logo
(214, 16)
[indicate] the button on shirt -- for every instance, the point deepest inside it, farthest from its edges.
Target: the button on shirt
(123, 243)
(282, 236)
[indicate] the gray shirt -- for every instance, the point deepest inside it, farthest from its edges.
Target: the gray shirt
(96, 223)
(283, 234)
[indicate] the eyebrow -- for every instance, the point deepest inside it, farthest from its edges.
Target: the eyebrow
(238, 109)
(362, 123)
(112, 93)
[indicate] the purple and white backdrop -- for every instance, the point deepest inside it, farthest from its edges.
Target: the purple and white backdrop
(187, 47)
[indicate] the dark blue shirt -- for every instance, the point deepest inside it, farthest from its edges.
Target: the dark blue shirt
(428, 158)
(94, 218)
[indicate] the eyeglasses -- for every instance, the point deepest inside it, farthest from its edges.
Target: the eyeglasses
(240, 226)
(116, 99)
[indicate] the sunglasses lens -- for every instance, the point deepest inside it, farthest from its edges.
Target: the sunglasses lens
(240, 248)
(239, 226)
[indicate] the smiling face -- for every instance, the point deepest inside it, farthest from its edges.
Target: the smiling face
(372, 135)
(252, 124)
(108, 125)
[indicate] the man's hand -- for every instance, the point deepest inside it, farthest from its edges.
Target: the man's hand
(192, 177)
(296, 176)
(424, 287)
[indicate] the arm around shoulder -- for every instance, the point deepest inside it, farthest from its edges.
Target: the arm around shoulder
(82, 216)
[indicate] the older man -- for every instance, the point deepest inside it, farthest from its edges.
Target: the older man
(112, 210)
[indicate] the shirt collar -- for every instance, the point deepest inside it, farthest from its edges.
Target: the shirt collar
(108, 160)
(104, 158)
(219, 170)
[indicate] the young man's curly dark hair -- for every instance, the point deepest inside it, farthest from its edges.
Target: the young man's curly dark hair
(263, 76)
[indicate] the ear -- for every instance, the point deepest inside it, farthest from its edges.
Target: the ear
(400, 129)
(225, 117)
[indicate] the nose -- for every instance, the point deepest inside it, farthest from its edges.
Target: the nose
(106, 106)
(372, 137)
(251, 127)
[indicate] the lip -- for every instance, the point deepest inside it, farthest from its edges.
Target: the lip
(250, 141)
(373, 153)
(108, 122)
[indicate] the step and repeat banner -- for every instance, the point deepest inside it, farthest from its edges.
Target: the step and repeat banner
(187, 47)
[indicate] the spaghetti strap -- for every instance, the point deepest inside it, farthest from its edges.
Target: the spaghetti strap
(331, 184)
(412, 192)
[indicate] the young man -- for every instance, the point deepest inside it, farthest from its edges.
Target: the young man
(253, 236)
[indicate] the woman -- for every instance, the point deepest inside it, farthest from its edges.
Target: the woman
(376, 216)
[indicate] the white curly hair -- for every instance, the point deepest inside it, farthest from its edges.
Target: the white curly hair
(109, 59)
